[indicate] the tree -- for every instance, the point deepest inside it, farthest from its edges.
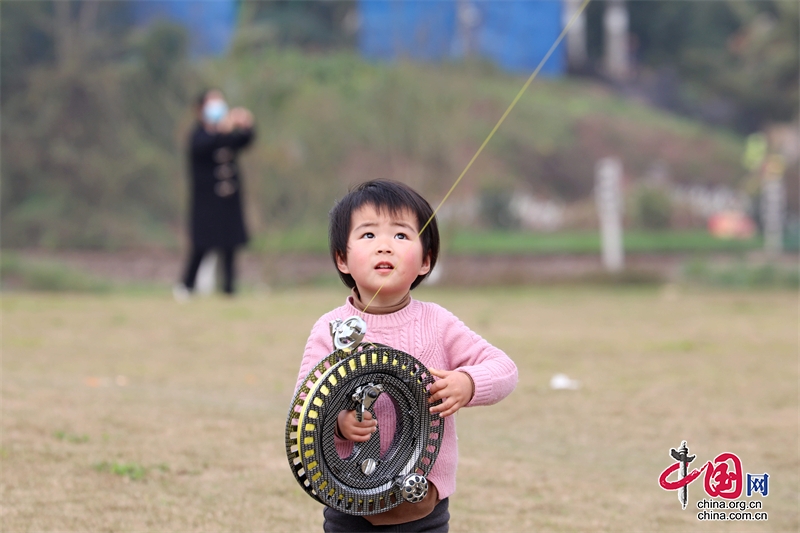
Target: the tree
(740, 58)
(760, 68)
(91, 123)
(297, 23)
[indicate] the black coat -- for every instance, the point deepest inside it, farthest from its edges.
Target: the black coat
(216, 219)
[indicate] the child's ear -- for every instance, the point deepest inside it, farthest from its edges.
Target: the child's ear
(426, 265)
(341, 264)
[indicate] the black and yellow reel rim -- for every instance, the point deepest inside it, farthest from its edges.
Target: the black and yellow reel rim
(325, 391)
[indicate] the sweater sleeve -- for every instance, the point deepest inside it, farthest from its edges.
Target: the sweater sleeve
(204, 142)
(318, 347)
(492, 371)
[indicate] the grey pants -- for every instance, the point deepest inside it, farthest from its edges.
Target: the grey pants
(436, 522)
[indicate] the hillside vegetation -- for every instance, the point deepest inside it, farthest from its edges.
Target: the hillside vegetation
(95, 158)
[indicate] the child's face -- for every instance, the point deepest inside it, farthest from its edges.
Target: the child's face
(379, 243)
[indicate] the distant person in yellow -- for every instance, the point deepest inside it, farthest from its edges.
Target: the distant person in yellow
(216, 221)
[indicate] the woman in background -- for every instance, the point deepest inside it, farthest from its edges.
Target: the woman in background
(216, 220)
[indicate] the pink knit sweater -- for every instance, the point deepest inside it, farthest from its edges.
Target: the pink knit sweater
(440, 341)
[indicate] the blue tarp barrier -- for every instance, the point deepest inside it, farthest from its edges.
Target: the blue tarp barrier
(514, 34)
(209, 24)
(416, 30)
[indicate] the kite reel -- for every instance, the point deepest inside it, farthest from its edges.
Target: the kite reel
(353, 377)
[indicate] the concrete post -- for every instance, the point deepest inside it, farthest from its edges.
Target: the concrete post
(576, 36)
(773, 204)
(615, 25)
(608, 195)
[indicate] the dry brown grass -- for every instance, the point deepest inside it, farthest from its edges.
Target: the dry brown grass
(207, 386)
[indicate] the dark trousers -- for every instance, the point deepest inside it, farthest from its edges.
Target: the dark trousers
(196, 257)
(436, 522)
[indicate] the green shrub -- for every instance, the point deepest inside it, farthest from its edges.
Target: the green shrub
(495, 205)
(741, 274)
(652, 208)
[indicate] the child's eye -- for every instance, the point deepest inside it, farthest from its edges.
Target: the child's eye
(368, 235)
(401, 236)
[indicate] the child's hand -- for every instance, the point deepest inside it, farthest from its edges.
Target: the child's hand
(455, 388)
(356, 431)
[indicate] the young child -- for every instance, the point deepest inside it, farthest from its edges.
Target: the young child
(375, 245)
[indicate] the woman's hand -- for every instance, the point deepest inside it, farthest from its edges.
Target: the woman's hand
(227, 124)
(454, 387)
(352, 429)
(242, 118)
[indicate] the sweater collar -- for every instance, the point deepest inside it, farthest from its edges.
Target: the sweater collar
(391, 319)
(355, 300)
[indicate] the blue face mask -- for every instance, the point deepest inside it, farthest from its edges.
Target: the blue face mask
(214, 111)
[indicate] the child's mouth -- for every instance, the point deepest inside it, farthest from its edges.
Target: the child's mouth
(384, 266)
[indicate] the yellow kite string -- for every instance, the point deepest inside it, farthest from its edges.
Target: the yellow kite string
(491, 134)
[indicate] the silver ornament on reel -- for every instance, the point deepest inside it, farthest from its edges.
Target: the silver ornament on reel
(413, 487)
(348, 333)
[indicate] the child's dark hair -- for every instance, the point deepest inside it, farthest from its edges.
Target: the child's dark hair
(382, 194)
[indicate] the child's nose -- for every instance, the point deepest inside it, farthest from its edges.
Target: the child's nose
(384, 246)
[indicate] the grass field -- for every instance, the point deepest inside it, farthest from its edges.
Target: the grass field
(129, 412)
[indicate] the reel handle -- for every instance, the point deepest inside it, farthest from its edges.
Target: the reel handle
(363, 398)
